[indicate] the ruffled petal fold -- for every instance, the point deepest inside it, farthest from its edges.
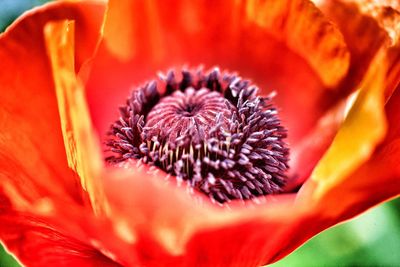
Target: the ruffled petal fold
(81, 143)
(32, 159)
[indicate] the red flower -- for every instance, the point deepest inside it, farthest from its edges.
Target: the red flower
(59, 203)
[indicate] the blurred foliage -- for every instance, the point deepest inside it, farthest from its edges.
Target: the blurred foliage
(372, 239)
(7, 260)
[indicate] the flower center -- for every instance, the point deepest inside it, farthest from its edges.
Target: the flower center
(210, 130)
(190, 114)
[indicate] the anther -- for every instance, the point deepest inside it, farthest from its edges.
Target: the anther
(210, 130)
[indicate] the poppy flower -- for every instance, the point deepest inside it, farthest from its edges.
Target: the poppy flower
(69, 65)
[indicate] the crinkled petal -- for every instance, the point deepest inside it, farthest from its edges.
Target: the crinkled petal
(373, 24)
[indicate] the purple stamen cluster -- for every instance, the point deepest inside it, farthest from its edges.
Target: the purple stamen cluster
(210, 130)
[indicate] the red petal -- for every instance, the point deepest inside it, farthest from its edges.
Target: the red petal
(169, 227)
(393, 116)
(32, 158)
(377, 180)
(294, 22)
(35, 242)
(155, 223)
(228, 35)
(306, 153)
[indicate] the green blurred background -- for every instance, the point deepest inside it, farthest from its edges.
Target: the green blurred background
(372, 239)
